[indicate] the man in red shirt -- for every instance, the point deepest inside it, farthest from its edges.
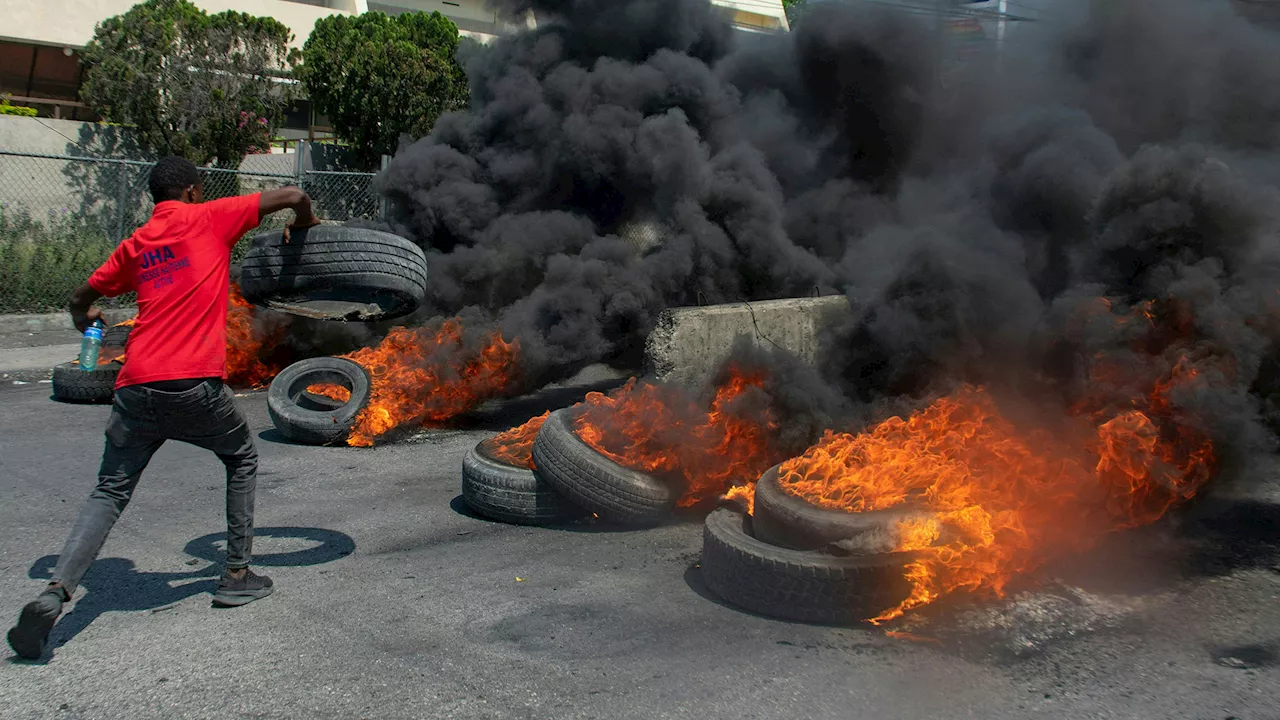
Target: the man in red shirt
(172, 387)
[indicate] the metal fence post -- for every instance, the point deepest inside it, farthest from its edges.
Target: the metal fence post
(384, 206)
(303, 159)
(122, 196)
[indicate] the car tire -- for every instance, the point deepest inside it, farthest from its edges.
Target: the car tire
(335, 273)
(116, 336)
(511, 494)
(801, 585)
(784, 520)
(72, 384)
(593, 481)
(311, 419)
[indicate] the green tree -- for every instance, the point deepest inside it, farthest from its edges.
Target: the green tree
(211, 88)
(378, 77)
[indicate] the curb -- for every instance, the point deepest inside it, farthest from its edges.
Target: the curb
(14, 324)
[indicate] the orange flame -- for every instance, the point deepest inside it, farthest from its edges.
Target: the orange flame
(428, 375)
(330, 390)
(746, 493)
(247, 363)
(515, 446)
(1003, 498)
(660, 429)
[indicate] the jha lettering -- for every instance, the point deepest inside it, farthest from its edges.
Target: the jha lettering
(155, 257)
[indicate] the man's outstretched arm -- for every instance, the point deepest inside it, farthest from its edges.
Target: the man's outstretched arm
(288, 198)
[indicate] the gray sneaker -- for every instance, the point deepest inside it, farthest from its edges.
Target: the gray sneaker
(38, 617)
(233, 592)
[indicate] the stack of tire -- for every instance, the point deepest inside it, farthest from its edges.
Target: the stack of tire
(569, 480)
(793, 560)
(330, 273)
(71, 384)
(790, 559)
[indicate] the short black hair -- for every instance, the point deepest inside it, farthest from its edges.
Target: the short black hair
(171, 176)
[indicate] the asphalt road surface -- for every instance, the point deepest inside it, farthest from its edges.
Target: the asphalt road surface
(393, 602)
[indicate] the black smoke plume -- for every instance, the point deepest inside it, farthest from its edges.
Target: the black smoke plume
(975, 215)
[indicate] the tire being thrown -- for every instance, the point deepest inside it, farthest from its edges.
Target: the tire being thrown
(593, 481)
(788, 521)
(335, 273)
(800, 585)
(315, 420)
(511, 494)
(72, 384)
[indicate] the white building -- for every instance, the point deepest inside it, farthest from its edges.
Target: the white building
(39, 39)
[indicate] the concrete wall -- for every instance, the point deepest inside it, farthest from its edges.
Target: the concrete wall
(689, 343)
(63, 137)
(50, 185)
(40, 185)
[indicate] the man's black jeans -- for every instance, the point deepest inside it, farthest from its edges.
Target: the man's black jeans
(141, 420)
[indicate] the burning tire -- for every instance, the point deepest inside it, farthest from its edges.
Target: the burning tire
(798, 585)
(316, 420)
(511, 494)
(335, 273)
(116, 336)
(595, 482)
(72, 384)
(784, 520)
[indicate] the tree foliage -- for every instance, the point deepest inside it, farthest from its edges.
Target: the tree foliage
(206, 87)
(379, 77)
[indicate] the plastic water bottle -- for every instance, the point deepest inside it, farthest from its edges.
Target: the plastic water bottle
(90, 344)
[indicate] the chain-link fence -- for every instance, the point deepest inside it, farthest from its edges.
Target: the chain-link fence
(61, 216)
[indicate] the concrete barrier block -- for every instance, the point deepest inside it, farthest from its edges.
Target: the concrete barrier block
(689, 343)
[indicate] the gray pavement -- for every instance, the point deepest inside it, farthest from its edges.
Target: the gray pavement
(393, 602)
(37, 358)
(43, 338)
(28, 356)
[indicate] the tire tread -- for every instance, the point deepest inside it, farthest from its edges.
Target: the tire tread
(511, 494)
(806, 586)
(594, 482)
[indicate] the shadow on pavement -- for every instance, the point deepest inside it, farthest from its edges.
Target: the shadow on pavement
(115, 584)
(67, 401)
(332, 546)
(460, 506)
(273, 435)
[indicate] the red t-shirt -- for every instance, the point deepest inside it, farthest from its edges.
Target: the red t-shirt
(179, 263)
